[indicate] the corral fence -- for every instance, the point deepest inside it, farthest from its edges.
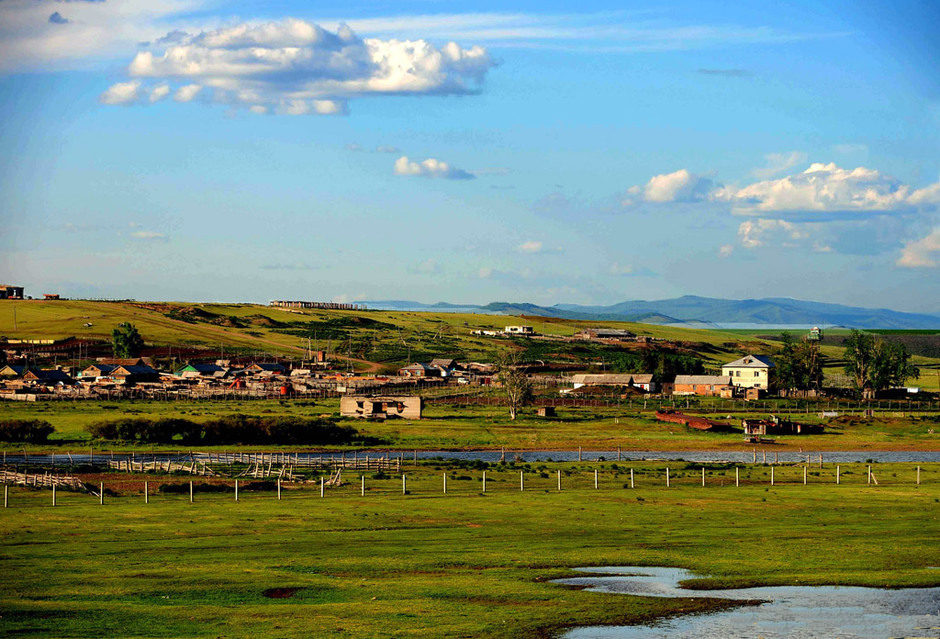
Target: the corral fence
(826, 408)
(638, 478)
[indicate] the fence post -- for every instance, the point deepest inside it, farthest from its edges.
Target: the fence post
(322, 484)
(445, 483)
(618, 453)
(771, 475)
(53, 494)
(146, 493)
(918, 478)
(703, 475)
(484, 481)
(667, 476)
(404, 485)
(101, 494)
(6, 496)
(362, 488)
(869, 475)
(631, 478)
(521, 481)
(805, 468)
(190, 492)
(737, 476)
(595, 479)
(838, 471)
(236, 490)
(579, 453)
(558, 474)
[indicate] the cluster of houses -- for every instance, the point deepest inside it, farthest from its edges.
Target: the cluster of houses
(224, 377)
(749, 376)
(138, 372)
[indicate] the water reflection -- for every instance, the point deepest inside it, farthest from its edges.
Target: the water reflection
(801, 612)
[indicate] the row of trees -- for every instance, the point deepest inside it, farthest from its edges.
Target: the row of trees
(873, 363)
(230, 429)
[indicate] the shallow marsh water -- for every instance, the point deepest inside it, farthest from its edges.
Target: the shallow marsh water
(799, 612)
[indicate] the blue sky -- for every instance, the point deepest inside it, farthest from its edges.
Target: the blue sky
(240, 151)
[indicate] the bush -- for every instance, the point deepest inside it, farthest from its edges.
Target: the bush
(231, 429)
(34, 431)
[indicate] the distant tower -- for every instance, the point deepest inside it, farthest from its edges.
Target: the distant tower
(815, 334)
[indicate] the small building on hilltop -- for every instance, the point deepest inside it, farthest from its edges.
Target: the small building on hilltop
(9, 292)
(751, 371)
(519, 330)
(611, 334)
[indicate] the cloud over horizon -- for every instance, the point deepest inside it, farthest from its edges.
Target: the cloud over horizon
(296, 67)
(922, 253)
(431, 168)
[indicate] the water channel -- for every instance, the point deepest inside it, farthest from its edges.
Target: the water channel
(493, 456)
(795, 612)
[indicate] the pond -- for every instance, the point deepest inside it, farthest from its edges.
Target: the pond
(805, 612)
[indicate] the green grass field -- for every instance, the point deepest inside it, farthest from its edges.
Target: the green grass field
(456, 565)
(463, 427)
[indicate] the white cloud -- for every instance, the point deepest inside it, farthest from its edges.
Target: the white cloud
(430, 168)
(387, 149)
(305, 107)
(922, 253)
(159, 92)
(187, 92)
(726, 250)
(680, 186)
(149, 235)
(99, 30)
(29, 41)
(778, 163)
(754, 233)
(607, 32)
(297, 67)
(121, 93)
(617, 269)
(828, 189)
(530, 246)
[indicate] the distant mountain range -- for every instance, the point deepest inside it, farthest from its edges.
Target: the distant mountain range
(691, 310)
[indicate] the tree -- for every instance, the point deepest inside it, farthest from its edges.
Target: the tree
(874, 364)
(516, 384)
(798, 364)
(126, 340)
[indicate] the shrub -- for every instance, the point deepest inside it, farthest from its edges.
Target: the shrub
(25, 430)
(231, 429)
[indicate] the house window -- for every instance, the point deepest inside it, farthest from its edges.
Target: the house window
(756, 373)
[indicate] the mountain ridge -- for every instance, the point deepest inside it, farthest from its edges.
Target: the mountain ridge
(769, 311)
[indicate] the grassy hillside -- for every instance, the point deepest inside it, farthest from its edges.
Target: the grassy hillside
(378, 337)
(379, 341)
